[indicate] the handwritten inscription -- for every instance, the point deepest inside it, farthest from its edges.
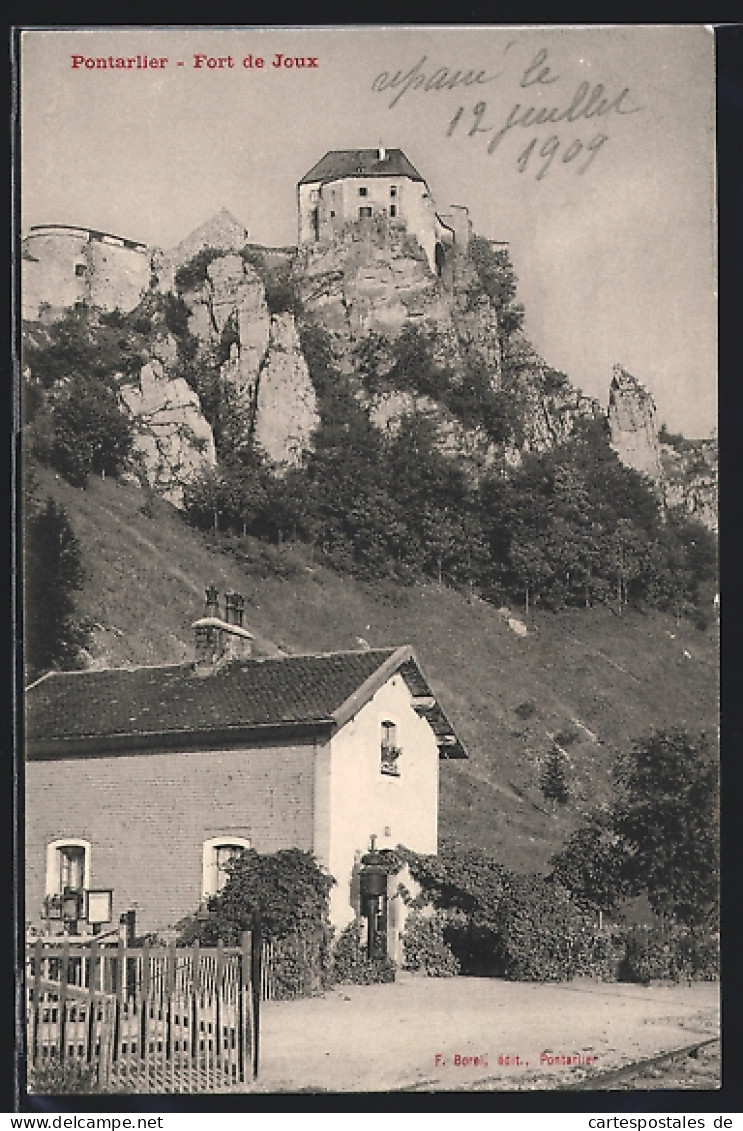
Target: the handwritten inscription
(543, 107)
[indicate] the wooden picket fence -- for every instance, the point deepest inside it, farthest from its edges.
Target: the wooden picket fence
(150, 1018)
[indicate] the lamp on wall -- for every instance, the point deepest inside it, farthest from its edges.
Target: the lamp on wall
(72, 909)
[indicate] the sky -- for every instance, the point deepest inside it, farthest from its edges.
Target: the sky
(590, 150)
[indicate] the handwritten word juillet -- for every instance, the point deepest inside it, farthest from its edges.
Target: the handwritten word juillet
(587, 103)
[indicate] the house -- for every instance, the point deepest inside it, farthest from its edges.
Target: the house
(349, 185)
(148, 781)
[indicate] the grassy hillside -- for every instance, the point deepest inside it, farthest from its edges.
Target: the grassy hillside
(589, 679)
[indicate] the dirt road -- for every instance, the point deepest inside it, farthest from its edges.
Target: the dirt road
(446, 1034)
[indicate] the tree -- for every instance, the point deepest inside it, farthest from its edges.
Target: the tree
(52, 572)
(553, 781)
(590, 865)
(91, 433)
(660, 836)
(667, 818)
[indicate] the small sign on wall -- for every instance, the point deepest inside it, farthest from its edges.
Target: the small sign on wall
(100, 905)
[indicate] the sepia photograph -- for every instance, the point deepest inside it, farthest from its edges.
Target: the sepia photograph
(368, 522)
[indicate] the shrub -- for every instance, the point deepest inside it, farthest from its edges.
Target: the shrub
(298, 965)
(668, 952)
(289, 891)
(426, 948)
(541, 935)
(351, 963)
(73, 1078)
(648, 954)
(191, 276)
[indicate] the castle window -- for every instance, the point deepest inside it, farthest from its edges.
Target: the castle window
(364, 212)
(218, 854)
(393, 190)
(80, 270)
(363, 191)
(393, 210)
(390, 751)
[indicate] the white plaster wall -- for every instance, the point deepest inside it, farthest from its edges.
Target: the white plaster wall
(48, 277)
(364, 801)
(414, 206)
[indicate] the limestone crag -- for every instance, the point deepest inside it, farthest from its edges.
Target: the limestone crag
(172, 440)
(690, 471)
(374, 277)
(549, 418)
(264, 373)
(286, 410)
(632, 425)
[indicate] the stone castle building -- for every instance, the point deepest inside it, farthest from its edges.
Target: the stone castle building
(349, 185)
(62, 265)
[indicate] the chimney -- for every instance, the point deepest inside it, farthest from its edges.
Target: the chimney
(220, 640)
(234, 607)
(382, 152)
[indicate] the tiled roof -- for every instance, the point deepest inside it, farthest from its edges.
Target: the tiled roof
(242, 694)
(361, 162)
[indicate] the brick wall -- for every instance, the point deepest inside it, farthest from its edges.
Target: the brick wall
(147, 817)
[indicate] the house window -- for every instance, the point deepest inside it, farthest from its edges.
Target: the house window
(393, 190)
(67, 866)
(363, 191)
(393, 210)
(390, 751)
(364, 213)
(219, 853)
(80, 269)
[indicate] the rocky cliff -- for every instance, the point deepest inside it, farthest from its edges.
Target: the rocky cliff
(683, 472)
(369, 285)
(271, 397)
(172, 440)
(633, 426)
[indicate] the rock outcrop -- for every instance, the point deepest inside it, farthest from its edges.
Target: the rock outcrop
(371, 280)
(374, 278)
(690, 478)
(265, 376)
(172, 440)
(632, 425)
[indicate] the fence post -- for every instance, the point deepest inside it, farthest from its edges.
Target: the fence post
(36, 1000)
(62, 1005)
(255, 987)
(119, 990)
(219, 991)
(92, 969)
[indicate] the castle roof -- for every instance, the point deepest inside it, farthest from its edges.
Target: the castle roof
(77, 714)
(339, 163)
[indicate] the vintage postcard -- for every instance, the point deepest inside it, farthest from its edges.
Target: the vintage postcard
(368, 490)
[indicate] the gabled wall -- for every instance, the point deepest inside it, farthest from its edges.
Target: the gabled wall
(366, 802)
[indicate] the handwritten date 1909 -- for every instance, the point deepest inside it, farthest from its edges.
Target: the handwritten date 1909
(548, 149)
